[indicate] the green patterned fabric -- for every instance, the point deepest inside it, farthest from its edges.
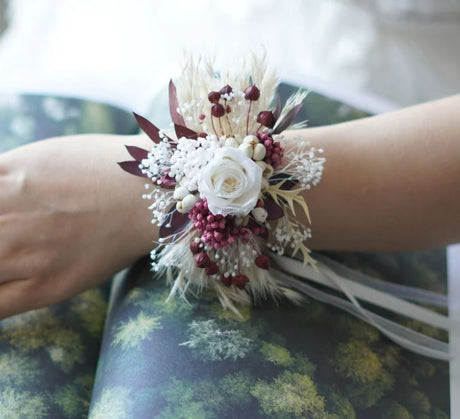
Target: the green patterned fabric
(195, 360)
(48, 357)
(179, 360)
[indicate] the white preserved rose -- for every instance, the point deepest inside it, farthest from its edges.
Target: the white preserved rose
(230, 182)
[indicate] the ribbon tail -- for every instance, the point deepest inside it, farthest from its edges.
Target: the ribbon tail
(402, 291)
(403, 336)
(324, 275)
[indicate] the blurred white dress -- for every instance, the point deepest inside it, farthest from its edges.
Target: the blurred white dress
(405, 51)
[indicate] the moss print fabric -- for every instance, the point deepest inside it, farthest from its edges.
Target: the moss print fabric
(48, 357)
(195, 360)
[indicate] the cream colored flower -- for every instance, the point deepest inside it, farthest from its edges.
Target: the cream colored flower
(230, 182)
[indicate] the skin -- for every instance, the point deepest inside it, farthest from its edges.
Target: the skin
(70, 217)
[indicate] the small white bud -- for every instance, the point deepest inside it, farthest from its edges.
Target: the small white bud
(251, 139)
(180, 207)
(259, 214)
(189, 202)
(231, 142)
(247, 149)
(180, 193)
(259, 152)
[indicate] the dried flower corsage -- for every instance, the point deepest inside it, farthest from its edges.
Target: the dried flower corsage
(223, 187)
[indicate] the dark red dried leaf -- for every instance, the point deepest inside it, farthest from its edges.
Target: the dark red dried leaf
(132, 167)
(288, 119)
(151, 130)
(176, 117)
(273, 209)
(182, 131)
(277, 111)
(136, 152)
(288, 183)
(178, 221)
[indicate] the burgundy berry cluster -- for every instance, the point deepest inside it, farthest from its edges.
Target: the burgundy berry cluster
(218, 231)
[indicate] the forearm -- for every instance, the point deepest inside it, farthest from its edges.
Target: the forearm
(391, 182)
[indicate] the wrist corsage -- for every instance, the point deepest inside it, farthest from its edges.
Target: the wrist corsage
(227, 192)
(224, 187)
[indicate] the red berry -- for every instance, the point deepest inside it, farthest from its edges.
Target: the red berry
(262, 261)
(202, 260)
(226, 280)
(214, 97)
(252, 93)
(228, 109)
(266, 118)
(195, 247)
(226, 90)
(240, 281)
(212, 269)
(217, 110)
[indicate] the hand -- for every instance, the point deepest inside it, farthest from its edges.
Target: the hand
(69, 218)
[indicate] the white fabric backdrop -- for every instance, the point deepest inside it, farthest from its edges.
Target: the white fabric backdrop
(122, 52)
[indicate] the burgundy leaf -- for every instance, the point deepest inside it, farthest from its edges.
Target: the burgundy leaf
(151, 130)
(182, 131)
(277, 111)
(177, 222)
(288, 118)
(264, 234)
(170, 186)
(132, 167)
(289, 183)
(136, 152)
(273, 209)
(173, 105)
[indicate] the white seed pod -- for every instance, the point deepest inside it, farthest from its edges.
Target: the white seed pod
(267, 169)
(247, 149)
(180, 193)
(180, 207)
(189, 202)
(259, 214)
(259, 152)
(231, 142)
(251, 139)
